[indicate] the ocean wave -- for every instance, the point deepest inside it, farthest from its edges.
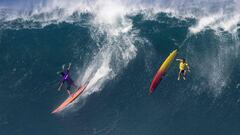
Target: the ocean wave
(111, 27)
(215, 14)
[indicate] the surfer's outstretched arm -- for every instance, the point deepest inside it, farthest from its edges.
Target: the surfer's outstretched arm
(60, 73)
(69, 66)
(63, 66)
(178, 59)
(59, 88)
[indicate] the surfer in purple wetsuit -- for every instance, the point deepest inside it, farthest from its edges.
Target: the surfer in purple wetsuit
(65, 77)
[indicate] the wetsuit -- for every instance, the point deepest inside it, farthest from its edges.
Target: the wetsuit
(66, 78)
(183, 67)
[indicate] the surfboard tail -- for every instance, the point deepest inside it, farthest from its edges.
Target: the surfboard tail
(71, 98)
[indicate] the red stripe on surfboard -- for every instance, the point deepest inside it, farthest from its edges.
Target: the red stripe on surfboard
(71, 98)
(156, 80)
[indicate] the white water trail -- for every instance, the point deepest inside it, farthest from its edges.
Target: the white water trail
(112, 30)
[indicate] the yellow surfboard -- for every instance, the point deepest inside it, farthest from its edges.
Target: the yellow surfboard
(162, 71)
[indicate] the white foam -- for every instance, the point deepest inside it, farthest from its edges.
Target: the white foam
(117, 49)
(203, 23)
(230, 23)
(215, 14)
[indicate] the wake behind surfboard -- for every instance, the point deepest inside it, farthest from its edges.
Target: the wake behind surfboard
(71, 98)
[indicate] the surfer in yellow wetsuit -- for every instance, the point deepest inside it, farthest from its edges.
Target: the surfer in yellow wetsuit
(183, 68)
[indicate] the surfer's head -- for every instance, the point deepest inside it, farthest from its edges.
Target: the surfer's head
(183, 60)
(62, 74)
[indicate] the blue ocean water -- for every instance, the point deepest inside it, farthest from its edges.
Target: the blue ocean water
(119, 55)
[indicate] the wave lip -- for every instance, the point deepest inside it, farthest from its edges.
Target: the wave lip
(215, 14)
(216, 22)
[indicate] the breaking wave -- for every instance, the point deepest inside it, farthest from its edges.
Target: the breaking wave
(111, 27)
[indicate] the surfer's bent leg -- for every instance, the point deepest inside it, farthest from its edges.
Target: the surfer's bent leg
(68, 88)
(179, 73)
(184, 74)
(69, 93)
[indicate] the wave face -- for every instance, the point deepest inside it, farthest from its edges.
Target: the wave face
(117, 46)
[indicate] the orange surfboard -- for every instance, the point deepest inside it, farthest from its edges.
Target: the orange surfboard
(71, 98)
